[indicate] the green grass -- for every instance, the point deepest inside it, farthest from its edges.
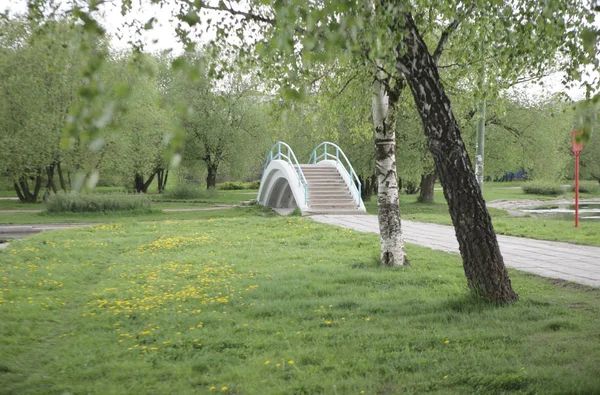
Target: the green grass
(17, 205)
(154, 215)
(96, 202)
(216, 197)
(184, 306)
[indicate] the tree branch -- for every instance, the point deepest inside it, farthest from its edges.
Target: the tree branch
(449, 30)
(247, 15)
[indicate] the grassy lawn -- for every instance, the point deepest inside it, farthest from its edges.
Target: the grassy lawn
(156, 215)
(258, 304)
(217, 197)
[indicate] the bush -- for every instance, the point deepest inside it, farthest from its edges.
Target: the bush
(547, 188)
(236, 186)
(587, 187)
(184, 191)
(88, 203)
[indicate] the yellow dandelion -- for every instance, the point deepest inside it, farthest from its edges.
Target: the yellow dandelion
(368, 319)
(290, 362)
(327, 322)
(445, 377)
(223, 389)
(446, 341)
(278, 365)
(267, 362)
(212, 388)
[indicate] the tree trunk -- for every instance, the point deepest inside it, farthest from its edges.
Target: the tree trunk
(211, 177)
(20, 194)
(427, 185)
(37, 187)
(23, 191)
(482, 260)
(140, 185)
(388, 209)
(50, 185)
(61, 177)
(162, 179)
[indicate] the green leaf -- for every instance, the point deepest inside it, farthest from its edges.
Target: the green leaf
(178, 63)
(588, 36)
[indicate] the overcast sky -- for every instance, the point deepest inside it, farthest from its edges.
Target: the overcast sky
(162, 37)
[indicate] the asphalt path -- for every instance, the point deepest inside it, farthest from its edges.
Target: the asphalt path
(565, 261)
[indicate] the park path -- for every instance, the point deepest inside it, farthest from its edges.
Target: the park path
(565, 261)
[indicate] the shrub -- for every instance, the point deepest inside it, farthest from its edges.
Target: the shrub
(236, 186)
(82, 202)
(587, 187)
(184, 191)
(547, 188)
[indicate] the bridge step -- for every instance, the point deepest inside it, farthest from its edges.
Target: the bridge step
(333, 212)
(331, 206)
(331, 201)
(328, 192)
(320, 177)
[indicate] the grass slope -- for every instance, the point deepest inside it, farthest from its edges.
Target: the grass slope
(272, 305)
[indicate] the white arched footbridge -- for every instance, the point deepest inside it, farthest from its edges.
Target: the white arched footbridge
(327, 184)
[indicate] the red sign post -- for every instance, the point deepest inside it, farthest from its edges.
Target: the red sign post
(576, 146)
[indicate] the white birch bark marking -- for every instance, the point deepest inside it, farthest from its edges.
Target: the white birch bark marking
(390, 230)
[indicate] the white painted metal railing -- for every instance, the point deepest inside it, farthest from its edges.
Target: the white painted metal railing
(282, 151)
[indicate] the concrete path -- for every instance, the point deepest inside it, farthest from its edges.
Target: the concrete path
(552, 259)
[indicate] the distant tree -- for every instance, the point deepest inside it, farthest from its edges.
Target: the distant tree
(140, 131)
(39, 72)
(221, 122)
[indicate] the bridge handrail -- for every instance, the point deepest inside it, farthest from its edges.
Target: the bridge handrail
(276, 153)
(314, 158)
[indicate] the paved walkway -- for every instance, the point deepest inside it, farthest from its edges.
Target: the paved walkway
(552, 259)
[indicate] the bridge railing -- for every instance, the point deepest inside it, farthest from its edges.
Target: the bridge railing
(283, 151)
(331, 151)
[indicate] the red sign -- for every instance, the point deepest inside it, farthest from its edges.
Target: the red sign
(576, 146)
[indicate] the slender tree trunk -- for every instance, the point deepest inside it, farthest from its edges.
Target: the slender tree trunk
(211, 177)
(427, 187)
(37, 187)
(162, 179)
(25, 190)
(61, 177)
(50, 185)
(19, 193)
(138, 183)
(149, 181)
(388, 209)
(482, 260)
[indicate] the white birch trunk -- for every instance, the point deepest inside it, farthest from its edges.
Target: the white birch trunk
(388, 213)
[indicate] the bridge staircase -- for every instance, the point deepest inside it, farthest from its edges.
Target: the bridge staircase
(327, 184)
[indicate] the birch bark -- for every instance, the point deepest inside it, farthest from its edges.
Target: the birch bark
(388, 208)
